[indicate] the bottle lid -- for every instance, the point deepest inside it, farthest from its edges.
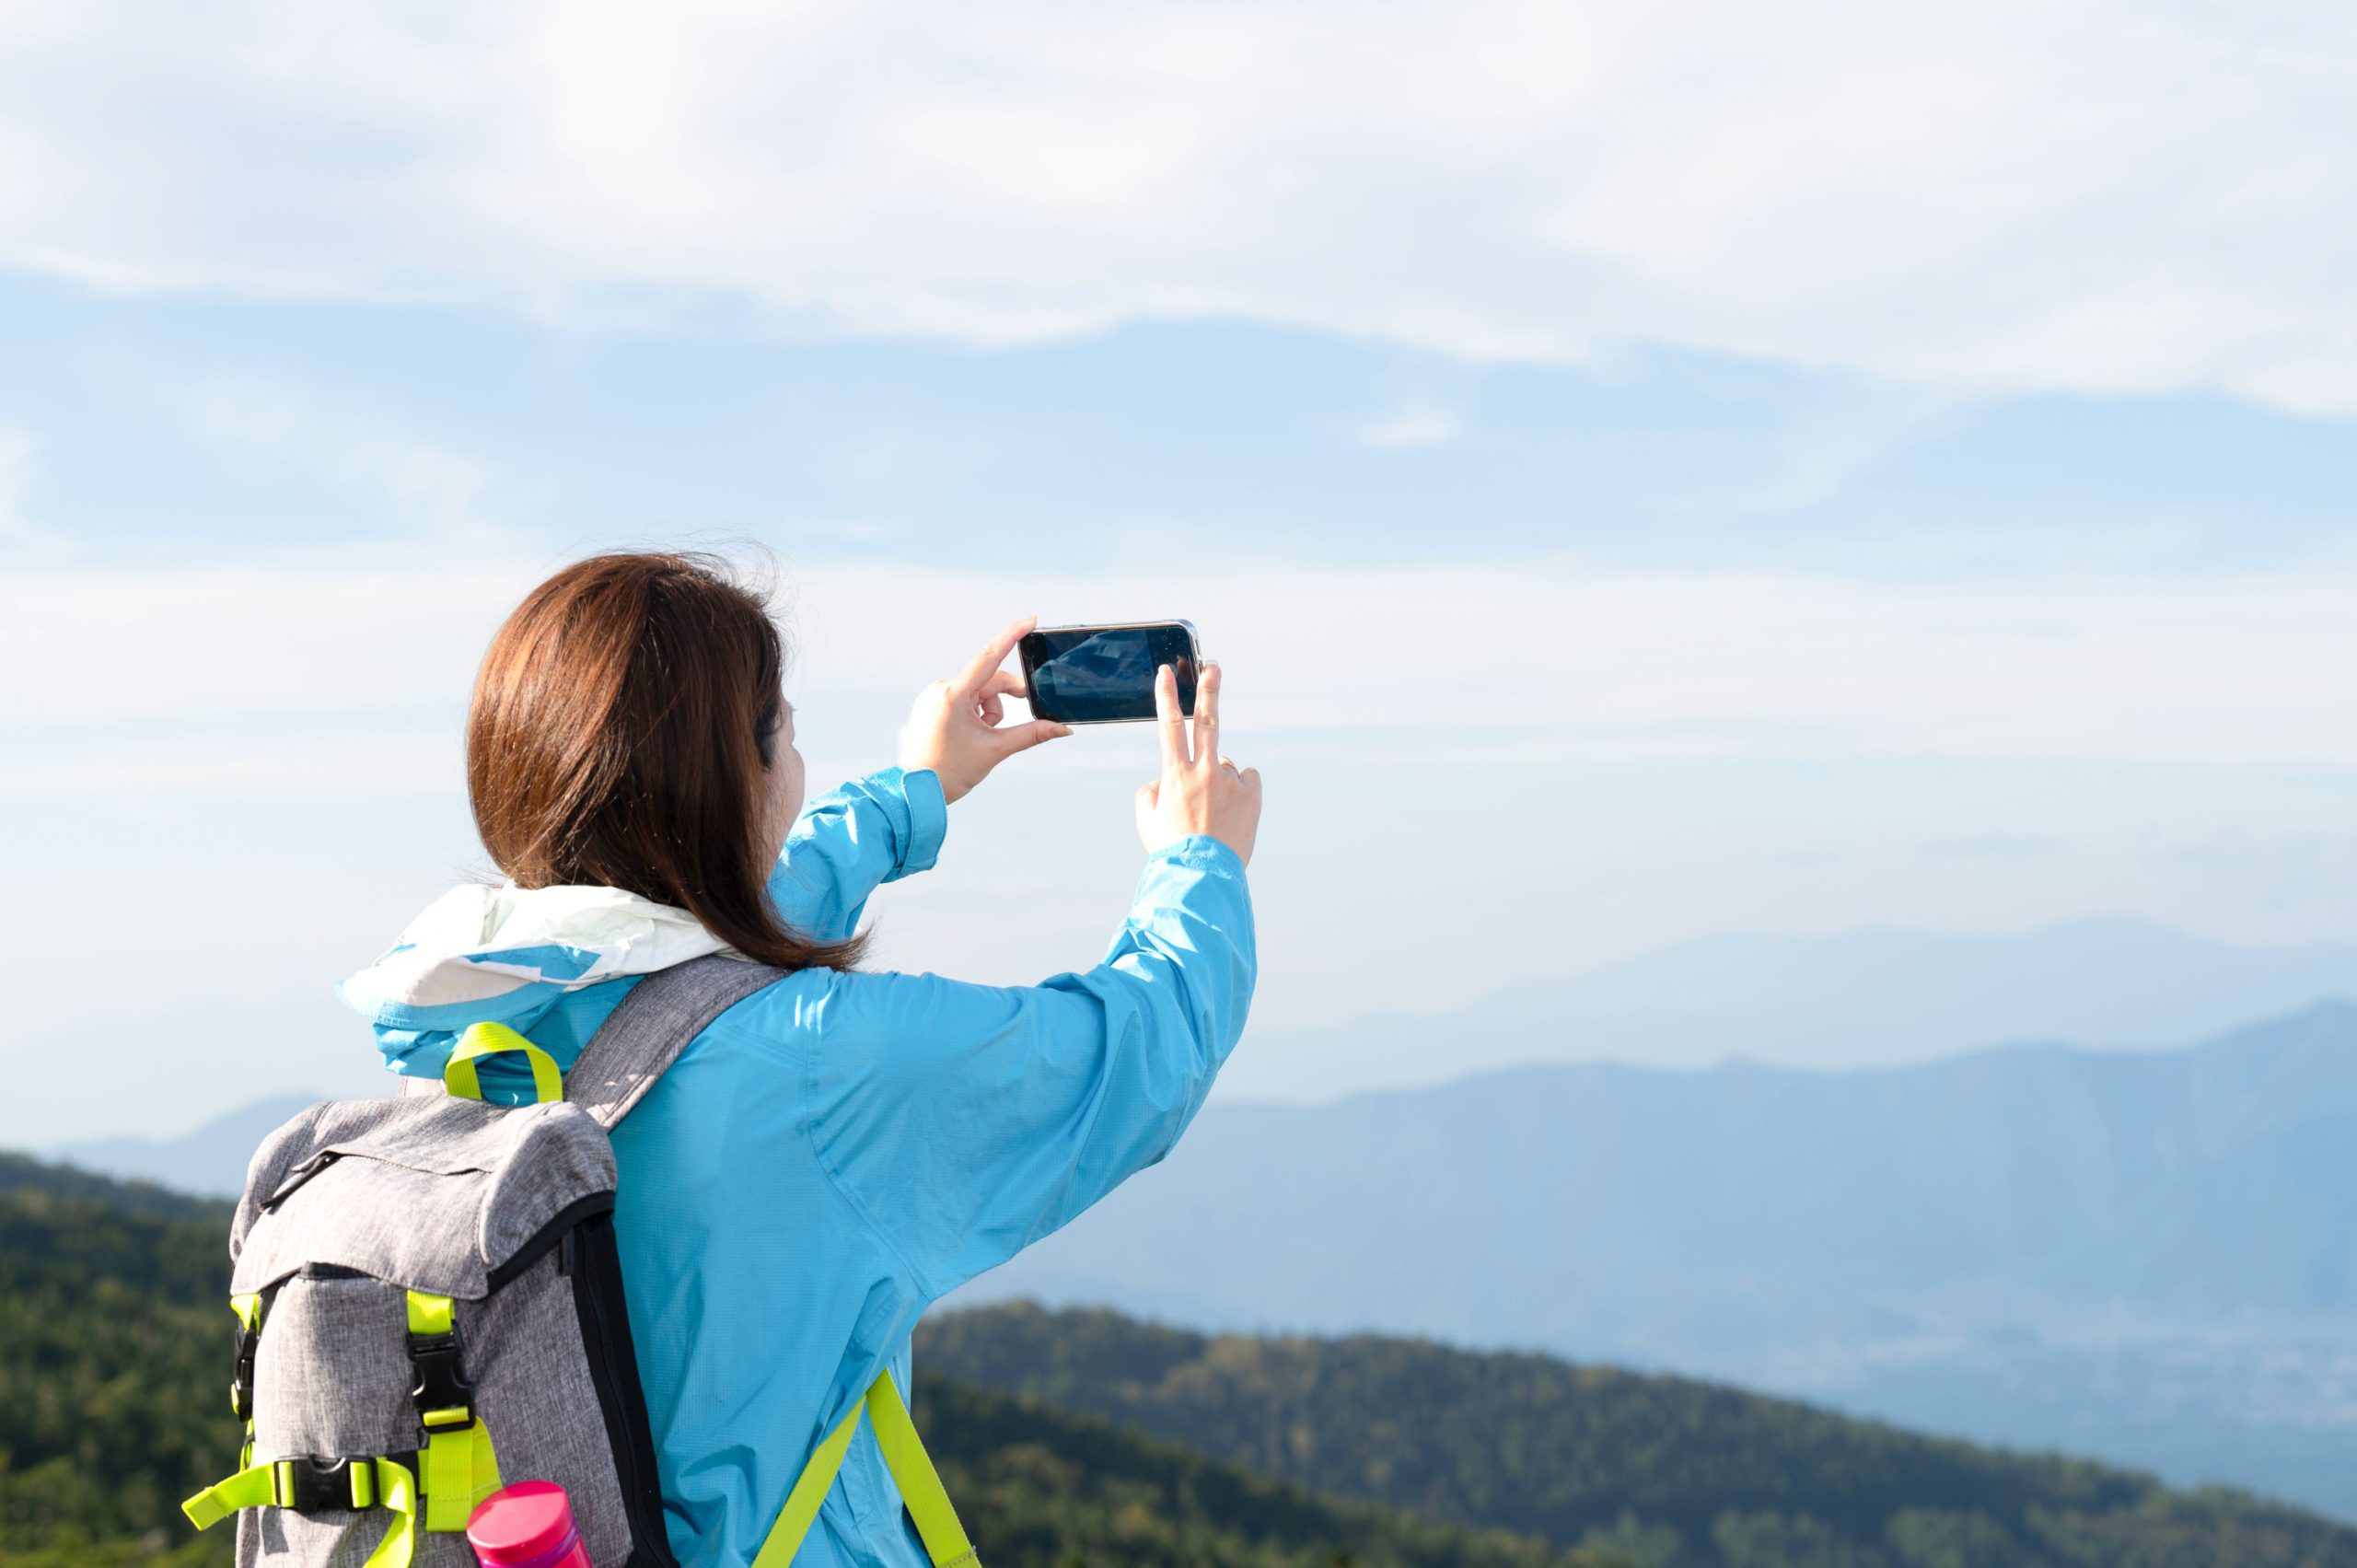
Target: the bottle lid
(523, 1526)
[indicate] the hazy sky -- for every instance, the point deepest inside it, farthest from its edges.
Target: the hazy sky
(1647, 471)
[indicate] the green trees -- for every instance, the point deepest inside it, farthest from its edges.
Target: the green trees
(114, 1350)
(1659, 1470)
(1085, 1437)
(115, 1329)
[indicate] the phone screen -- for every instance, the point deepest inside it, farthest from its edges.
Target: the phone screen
(1105, 674)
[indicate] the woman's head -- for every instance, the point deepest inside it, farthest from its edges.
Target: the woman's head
(629, 730)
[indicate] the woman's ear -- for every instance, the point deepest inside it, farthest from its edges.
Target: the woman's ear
(766, 729)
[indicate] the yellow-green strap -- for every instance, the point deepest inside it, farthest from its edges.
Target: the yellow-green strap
(458, 1468)
(271, 1484)
(249, 1488)
(810, 1489)
(490, 1040)
(920, 1484)
(397, 1490)
(248, 1306)
(430, 1313)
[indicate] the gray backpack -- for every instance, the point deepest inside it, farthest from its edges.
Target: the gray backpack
(429, 1303)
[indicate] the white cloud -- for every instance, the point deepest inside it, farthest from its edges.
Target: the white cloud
(2088, 195)
(1353, 667)
(1418, 424)
(434, 487)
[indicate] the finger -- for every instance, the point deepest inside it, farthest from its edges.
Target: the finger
(1006, 684)
(1175, 754)
(1207, 711)
(1000, 684)
(994, 653)
(1023, 736)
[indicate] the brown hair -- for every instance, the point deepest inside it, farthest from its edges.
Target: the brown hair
(622, 722)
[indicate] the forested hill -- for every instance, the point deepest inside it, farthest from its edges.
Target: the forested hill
(1667, 1471)
(114, 1338)
(1144, 1446)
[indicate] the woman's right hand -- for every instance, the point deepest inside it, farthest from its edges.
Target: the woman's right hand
(1199, 791)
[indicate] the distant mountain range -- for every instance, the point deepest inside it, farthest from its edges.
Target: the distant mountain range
(211, 1160)
(1866, 999)
(2151, 1256)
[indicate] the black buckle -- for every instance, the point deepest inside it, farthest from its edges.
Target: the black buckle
(313, 1485)
(442, 1383)
(241, 1384)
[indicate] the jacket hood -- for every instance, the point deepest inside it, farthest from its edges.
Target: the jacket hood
(507, 954)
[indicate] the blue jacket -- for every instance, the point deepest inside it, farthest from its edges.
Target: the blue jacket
(838, 1152)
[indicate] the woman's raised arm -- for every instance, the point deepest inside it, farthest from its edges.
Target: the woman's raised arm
(964, 1122)
(854, 839)
(850, 842)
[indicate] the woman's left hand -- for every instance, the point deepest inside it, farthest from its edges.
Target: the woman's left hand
(954, 729)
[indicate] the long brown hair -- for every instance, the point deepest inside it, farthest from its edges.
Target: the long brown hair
(621, 726)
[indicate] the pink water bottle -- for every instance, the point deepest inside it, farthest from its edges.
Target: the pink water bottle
(529, 1524)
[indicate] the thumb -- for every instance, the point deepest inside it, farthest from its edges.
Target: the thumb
(1149, 794)
(1016, 737)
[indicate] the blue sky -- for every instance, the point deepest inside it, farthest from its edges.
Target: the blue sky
(1644, 478)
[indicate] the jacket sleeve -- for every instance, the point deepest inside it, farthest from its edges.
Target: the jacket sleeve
(964, 1122)
(851, 840)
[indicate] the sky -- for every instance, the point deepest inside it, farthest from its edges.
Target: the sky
(1648, 470)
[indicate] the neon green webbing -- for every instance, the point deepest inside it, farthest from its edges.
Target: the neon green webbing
(249, 1488)
(248, 1306)
(458, 1468)
(379, 1482)
(920, 1484)
(458, 1471)
(490, 1040)
(397, 1490)
(430, 1313)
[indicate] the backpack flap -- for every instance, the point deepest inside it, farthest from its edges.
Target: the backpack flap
(448, 1196)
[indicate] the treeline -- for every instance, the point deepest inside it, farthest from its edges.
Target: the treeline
(1084, 1437)
(114, 1349)
(1663, 1472)
(1041, 1487)
(114, 1368)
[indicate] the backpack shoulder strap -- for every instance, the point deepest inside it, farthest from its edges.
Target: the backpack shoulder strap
(646, 1034)
(920, 1490)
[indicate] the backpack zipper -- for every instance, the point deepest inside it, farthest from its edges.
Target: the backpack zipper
(618, 1396)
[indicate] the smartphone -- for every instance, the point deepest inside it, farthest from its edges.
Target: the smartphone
(1104, 674)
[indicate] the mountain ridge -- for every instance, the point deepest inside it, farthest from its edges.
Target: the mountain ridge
(1667, 1469)
(1877, 996)
(2139, 1254)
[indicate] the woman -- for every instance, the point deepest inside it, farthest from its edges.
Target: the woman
(844, 1147)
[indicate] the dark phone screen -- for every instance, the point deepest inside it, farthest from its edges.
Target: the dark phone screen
(1102, 674)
